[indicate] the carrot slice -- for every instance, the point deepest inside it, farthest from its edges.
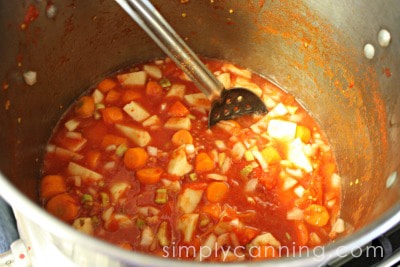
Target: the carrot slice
(153, 88)
(135, 158)
(63, 206)
(182, 137)
(106, 85)
(52, 185)
(85, 107)
(178, 110)
(316, 215)
(112, 115)
(149, 175)
(110, 139)
(129, 95)
(112, 96)
(217, 191)
(203, 162)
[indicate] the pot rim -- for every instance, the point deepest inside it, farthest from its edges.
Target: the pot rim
(339, 248)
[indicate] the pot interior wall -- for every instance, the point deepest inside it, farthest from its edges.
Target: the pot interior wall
(303, 48)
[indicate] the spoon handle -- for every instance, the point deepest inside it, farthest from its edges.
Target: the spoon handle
(151, 21)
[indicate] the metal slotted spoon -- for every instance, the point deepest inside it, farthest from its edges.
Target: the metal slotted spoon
(225, 104)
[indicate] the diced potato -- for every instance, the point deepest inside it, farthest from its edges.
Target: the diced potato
(177, 90)
(225, 79)
(265, 239)
(84, 225)
(187, 224)
(235, 70)
(282, 130)
(153, 71)
(138, 136)
(198, 100)
(118, 189)
(245, 83)
(297, 157)
(137, 78)
(135, 111)
(177, 123)
(189, 199)
(261, 160)
(147, 237)
(178, 165)
(123, 220)
(260, 125)
(151, 121)
(84, 173)
(278, 111)
(97, 96)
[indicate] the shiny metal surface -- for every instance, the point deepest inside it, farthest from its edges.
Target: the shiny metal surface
(312, 49)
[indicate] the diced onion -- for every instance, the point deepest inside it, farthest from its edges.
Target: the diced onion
(217, 177)
(295, 214)
(109, 165)
(338, 227)
(30, 77)
(251, 185)
(152, 151)
(190, 149)
(289, 183)
(335, 180)
(71, 125)
(73, 135)
(299, 191)
(50, 148)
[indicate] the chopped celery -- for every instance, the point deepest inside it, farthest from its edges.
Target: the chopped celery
(87, 198)
(100, 106)
(140, 223)
(161, 196)
(121, 149)
(162, 234)
(193, 176)
(248, 155)
(246, 170)
(105, 199)
(287, 235)
(164, 82)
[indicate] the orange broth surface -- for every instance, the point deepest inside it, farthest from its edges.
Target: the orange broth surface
(133, 163)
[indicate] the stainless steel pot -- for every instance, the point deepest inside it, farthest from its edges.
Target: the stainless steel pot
(320, 51)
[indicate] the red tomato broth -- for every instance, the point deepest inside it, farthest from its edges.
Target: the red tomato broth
(264, 209)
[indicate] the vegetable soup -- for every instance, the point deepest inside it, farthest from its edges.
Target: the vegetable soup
(133, 163)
